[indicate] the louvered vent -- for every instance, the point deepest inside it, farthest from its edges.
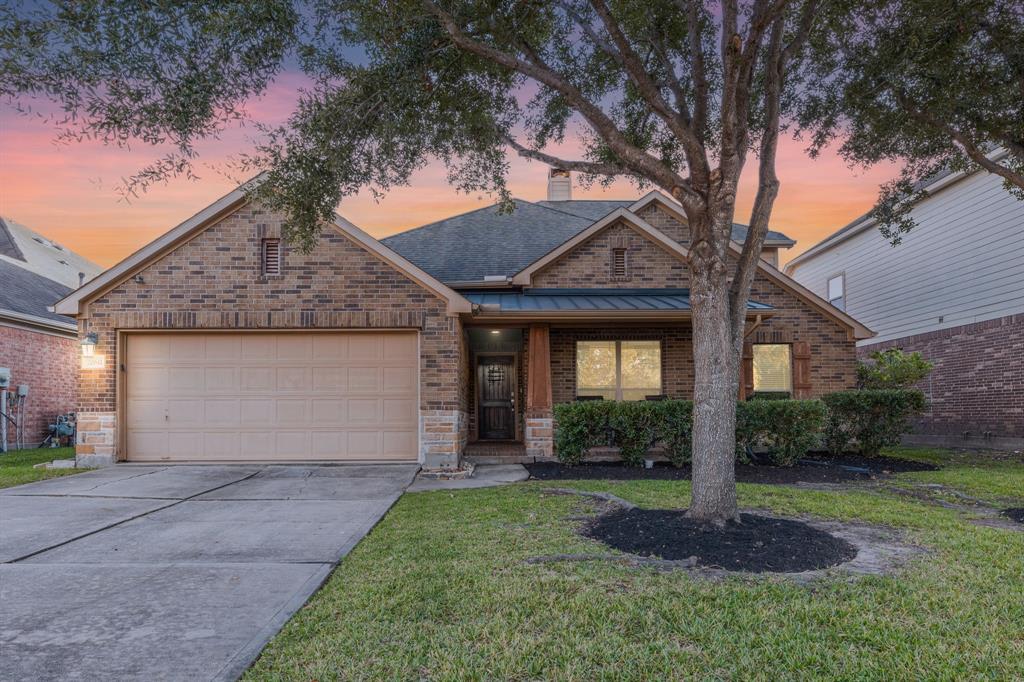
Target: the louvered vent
(271, 256)
(619, 263)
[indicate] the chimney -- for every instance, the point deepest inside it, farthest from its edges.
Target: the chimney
(559, 185)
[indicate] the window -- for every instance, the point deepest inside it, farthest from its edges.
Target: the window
(618, 370)
(271, 256)
(837, 291)
(619, 263)
(772, 368)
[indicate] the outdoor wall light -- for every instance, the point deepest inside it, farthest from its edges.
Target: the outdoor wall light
(89, 344)
(495, 331)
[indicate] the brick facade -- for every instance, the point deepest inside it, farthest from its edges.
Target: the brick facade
(976, 389)
(214, 282)
(48, 363)
(589, 265)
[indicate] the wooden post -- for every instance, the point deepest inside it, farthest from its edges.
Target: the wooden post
(538, 380)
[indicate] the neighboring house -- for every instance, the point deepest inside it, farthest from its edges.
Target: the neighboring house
(953, 290)
(220, 342)
(39, 347)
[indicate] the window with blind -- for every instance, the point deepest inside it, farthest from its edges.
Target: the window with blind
(773, 368)
(618, 370)
(271, 256)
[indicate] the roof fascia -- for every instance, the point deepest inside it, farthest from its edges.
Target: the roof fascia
(72, 303)
(525, 276)
(36, 323)
(457, 303)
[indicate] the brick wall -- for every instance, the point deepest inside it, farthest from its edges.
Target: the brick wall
(49, 365)
(589, 264)
(977, 384)
(214, 282)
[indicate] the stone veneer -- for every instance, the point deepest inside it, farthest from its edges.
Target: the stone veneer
(214, 281)
(539, 435)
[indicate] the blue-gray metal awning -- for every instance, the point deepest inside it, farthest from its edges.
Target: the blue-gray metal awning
(588, 300)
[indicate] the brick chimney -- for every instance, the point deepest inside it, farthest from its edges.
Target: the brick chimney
(559, 185)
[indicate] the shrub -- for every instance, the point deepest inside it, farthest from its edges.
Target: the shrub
(788, 428)
(873, 419)
(579, 427)
(770, 395)
(892, 369)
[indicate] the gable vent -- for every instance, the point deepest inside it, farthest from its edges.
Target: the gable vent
(619, 263)
(271, 256)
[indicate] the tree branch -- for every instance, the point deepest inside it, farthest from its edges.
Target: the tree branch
(637, 160)
(591, 167)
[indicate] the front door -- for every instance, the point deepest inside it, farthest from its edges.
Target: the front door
(496, 391)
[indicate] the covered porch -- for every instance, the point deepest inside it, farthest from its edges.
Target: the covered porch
(529, 351)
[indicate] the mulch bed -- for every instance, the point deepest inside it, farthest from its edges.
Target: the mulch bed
(814, 469)
(758, 544)
(1015, 513)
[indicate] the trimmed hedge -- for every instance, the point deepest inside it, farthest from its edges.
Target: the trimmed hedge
(872, 419)
(788, 428)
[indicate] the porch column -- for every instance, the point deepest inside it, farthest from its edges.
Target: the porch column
(539, 436)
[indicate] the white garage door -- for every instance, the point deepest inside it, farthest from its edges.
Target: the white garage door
(271, 396)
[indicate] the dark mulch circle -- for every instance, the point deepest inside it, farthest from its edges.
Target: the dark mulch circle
(1015, 513)
(758, 544)
(814, 469)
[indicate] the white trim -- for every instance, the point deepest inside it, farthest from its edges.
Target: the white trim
(34, 323)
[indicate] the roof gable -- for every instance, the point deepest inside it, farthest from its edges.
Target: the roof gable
(739, 231)
(214, 213)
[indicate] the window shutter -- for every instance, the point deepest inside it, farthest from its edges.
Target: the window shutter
(801, 369)
(271, 256)
(747, 371)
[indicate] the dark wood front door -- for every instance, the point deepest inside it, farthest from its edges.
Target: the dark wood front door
(496, 389)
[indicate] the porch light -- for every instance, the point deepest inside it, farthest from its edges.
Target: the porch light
(89, 342)
(495, 331)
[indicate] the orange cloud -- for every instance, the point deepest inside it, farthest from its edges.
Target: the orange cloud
(68, 191)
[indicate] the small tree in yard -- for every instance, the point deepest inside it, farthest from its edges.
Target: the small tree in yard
(892, 369)
(674, 94)
(935, 84)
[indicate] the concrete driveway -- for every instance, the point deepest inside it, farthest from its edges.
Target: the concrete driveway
(172, 572)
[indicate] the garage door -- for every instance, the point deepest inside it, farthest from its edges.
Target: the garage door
(271, 396)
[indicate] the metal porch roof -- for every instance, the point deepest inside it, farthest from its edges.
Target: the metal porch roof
(588, 300)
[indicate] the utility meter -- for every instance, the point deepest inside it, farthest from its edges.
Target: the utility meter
(5, 377)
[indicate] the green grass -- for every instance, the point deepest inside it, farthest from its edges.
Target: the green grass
(997, 478)
(439, 590)
(16, 465)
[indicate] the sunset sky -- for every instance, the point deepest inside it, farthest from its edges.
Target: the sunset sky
(69, 192)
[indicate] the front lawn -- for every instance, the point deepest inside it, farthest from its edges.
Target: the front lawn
(16, 465)
(440, 590)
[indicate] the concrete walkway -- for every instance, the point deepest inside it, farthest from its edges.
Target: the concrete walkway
(484, 476)
(172, 572)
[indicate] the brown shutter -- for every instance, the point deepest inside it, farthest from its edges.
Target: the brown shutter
(801, 369)
(747, 371)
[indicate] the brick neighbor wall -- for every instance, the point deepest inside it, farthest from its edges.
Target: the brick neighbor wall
(49, 365)
(977, 384)
(214, 281)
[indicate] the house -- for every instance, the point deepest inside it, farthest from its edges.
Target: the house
(953, 290)
(39, 347)
(220, 342)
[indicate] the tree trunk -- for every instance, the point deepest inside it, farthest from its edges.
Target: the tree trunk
(716, 376)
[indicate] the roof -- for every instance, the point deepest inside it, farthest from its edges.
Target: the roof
(489, 243)
(42, 255)
(583, 300)
(25, 293)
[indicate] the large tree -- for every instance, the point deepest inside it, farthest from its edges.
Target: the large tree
(675, 94)
(933, 85)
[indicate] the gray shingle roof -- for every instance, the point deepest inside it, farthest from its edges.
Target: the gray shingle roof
(27, 293)
(485, 242)
(481, 243)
